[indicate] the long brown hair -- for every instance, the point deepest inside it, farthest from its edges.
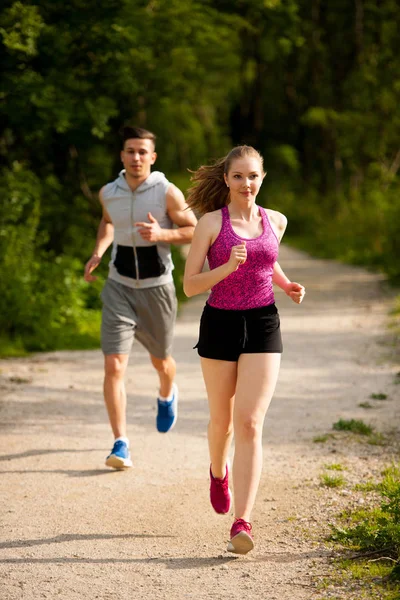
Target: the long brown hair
(209, 190)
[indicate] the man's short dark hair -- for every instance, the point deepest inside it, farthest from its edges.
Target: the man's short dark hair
(129, 133)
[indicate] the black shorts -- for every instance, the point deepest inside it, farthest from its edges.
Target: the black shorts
(226, 334)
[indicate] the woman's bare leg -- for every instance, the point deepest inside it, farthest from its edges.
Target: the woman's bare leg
(256, 380)
(220, 380)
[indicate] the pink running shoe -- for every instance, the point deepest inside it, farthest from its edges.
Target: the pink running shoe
(220, 494)
(241, 538)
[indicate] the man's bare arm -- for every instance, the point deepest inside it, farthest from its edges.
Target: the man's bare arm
(105, 236)
(181, 216)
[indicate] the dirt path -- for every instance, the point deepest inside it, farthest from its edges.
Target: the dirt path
(72, 529)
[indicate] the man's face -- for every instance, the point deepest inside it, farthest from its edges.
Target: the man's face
(137, 157)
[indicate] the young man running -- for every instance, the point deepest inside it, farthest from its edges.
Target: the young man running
(140, 209)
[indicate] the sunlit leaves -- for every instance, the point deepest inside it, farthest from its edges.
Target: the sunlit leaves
(20, 27)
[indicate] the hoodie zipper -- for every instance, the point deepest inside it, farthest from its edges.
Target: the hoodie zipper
(133, 241)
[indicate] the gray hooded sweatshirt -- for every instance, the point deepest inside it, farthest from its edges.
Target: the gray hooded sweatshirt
(136, 262)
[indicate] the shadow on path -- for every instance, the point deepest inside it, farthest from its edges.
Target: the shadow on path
(171, 563)
(75, 537)
(68, 472)
(29, 453)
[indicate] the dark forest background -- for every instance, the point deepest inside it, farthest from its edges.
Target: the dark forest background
(314, 85)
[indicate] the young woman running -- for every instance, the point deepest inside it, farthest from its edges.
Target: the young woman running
(239, 341)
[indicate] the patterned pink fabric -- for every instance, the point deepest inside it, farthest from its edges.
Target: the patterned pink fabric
(250, 286)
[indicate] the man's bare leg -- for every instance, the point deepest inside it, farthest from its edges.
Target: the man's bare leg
(115, 400)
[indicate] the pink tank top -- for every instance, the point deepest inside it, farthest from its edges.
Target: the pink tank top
(250, 286)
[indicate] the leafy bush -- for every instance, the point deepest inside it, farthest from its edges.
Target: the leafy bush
(43, 298)
(357, 227)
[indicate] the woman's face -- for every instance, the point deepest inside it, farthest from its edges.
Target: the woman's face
(244, 179)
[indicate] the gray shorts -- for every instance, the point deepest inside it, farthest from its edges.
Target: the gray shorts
(147, 314)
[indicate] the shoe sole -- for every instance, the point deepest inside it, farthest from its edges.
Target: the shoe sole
(176, 417)
(117, 462)
(241, 543)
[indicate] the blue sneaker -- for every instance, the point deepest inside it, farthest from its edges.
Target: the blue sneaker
(167, 412)
(120, 457)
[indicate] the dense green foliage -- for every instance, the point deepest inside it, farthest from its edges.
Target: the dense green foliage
(314, 86)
